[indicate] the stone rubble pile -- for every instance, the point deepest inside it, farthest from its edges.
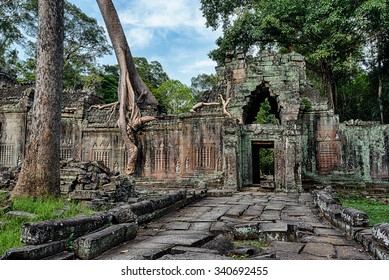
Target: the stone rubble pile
(87, 181)
(94, 183)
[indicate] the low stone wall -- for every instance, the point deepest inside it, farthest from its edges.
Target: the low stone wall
(355, 223)
(88, 237)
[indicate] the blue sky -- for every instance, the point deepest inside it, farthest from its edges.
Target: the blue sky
(172, 32)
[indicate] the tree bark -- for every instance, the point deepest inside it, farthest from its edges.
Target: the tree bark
(40, 173)
(134, 96)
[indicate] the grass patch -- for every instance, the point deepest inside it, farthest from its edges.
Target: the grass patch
(245, 243)
(44, 209)
(253, 243)
(378, 212)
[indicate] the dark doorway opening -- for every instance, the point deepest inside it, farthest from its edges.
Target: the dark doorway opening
(260, 101)
(262, 161)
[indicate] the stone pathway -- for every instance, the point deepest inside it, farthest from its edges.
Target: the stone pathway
(285, 223)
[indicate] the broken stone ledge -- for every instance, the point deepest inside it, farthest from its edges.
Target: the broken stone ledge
(355, 223)
(90, 236)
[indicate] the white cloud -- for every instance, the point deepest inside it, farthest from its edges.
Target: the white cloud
(172, 32)
(199, 66)
(172, 14)
(139, 37)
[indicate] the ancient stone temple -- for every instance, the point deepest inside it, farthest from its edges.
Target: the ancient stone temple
(214, 146)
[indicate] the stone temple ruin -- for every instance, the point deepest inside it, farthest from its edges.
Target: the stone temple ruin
(208, 148)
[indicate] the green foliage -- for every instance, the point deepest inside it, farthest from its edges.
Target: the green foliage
(266, 161)
(109, 80)
(240, 257)
(378, 212)
(151, 73)
(202, 83)
(44, 208)
(175, 97)
(307, 104)
(84, 42)
(333, 35)
(264, 116)
(242, 243)
(12, 15)
(255, 243)
(357, 100)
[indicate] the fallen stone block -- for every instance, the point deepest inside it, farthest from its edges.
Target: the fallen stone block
(123, 214)
(325, 199)
(92, 245)
(142, 208)
(58, 229)
(35, 252)
(21, 214)
(220, 243)
(334, 212)
(162, 202)
(381, 234)
(86, 194)
(354, 217)
(169, 200)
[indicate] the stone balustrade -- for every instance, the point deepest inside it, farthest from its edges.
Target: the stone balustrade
(88, 237)
(355, 223)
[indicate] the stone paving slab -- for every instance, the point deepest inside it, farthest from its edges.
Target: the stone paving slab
(270, 215)
(294, 256)
(324, 250)
(334, 240)
(183, 249)
(328, 232)
(282, 246)
(191, 238)
(138, 251)
(178, 225)
(195, 256)
(278, 206)
(254, 210)
(351, 253)
(273, 217)
(201, 226)
(237, 210)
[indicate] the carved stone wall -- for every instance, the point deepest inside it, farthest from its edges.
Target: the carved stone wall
(353, 153)
(184, 150)
(209, 148)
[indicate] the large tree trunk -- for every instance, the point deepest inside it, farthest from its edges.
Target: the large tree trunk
(380, 79)
(134, 96)
(40, 173)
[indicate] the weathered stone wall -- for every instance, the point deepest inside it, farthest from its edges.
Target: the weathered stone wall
(365, 151)
(15, 103)
(248, 81)
(354, 153)
(207, 147)
(186, 150)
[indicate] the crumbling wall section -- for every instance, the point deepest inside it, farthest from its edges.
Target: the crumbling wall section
(365, 151)
(352, 153)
